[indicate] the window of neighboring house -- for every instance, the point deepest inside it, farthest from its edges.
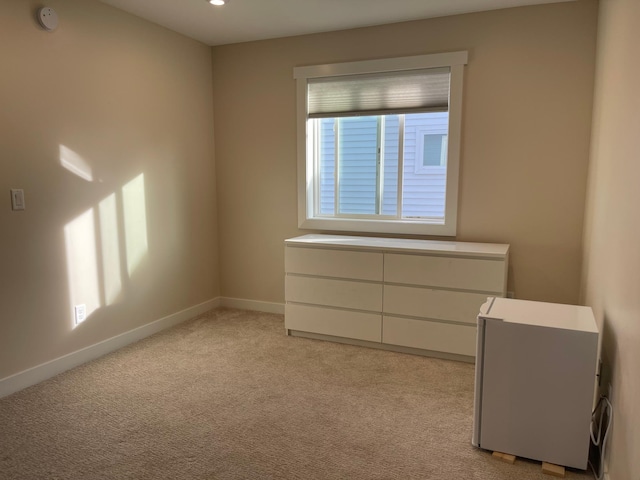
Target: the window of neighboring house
(379, 143)
(431, 153)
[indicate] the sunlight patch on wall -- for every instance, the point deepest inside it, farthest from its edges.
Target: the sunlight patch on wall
(75, 163)
(112, 275)
(82, 262)
(135, 222)
(99, 243)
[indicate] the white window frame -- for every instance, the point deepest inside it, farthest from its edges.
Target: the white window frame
(306, 168)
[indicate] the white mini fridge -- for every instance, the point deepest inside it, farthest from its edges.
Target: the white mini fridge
(535, 380)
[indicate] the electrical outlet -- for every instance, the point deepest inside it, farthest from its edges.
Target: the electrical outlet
(80, 313)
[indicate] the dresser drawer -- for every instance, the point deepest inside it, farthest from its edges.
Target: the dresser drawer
(328, 321)
(430, 303)
(333, 263)
(449, 272)
(426, 335)
(334, 293)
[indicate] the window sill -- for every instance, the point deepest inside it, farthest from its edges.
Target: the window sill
(407, 227)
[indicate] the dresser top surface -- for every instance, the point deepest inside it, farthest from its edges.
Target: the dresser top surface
(401, 245)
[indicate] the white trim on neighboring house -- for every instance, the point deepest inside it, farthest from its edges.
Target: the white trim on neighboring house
(49, 369)
(419, 166)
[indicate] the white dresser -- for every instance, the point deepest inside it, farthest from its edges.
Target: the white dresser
(416, 296)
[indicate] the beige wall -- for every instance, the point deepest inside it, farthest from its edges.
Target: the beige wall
(123, 100)
(526, 125)
(611, 280)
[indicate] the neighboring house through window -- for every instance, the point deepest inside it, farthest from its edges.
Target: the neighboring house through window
(378, 144)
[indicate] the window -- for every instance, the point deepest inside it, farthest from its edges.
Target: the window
(432, 141)
(434, 150)
(378, 144)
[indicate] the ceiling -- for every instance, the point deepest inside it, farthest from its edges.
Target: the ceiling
(247, 20)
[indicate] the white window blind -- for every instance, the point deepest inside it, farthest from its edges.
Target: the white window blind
(410, 91)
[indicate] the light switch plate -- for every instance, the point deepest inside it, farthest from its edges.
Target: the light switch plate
(17, 199)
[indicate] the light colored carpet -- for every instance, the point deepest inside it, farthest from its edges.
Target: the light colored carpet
(229, 396)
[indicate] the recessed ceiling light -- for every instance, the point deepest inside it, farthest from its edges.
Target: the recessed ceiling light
(218, 2)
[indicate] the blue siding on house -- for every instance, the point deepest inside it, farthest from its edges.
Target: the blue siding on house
(423, 189)
(358, 151)
(423, 193)
(327, 166)
(390, 179)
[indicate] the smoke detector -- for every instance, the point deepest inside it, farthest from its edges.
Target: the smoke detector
(48, 18)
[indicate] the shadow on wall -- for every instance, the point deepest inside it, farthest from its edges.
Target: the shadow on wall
(105, 244)
(608, 354)
(608, 374)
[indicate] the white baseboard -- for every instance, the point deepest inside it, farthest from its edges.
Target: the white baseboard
(256, 305)
(47, 370)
